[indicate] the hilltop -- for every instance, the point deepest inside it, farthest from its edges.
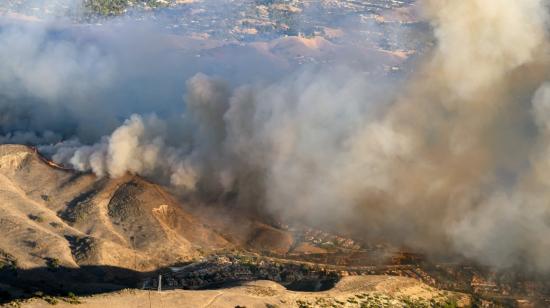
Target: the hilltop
(54, 215)
(364, 291)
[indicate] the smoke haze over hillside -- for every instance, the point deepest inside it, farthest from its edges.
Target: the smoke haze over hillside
(449, 159)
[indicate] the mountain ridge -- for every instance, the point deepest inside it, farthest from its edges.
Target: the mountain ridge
(49, 212)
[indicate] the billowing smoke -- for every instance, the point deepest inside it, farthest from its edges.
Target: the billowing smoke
(479, 42)
(452, 161)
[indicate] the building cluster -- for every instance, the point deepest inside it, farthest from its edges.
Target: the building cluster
(325, 239)
(486, 287)
(219, 270)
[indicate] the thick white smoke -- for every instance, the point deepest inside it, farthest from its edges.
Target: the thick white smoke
(479, 42)
(454, 161)
(137, 147)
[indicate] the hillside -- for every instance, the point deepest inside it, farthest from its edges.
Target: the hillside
(49, 214)
(364, 291)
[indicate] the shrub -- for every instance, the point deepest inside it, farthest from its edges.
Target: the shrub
(52, 263)
(451, 303)
(55, 224)
(72, 299)
(50, 300)
(36, 218)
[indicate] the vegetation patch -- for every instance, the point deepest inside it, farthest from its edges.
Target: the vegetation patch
(36, 218)
(71, 298)
(118, 7)
(7, 261)
(52, 264)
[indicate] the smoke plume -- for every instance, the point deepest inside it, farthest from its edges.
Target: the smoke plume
(453, 161)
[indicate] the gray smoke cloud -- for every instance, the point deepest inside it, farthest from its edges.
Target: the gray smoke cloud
(452, 161)
(78, 69)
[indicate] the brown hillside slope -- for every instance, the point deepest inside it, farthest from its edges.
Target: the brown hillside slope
(362, 291)
(48, 214)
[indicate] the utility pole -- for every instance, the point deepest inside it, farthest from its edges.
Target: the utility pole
(160, 283)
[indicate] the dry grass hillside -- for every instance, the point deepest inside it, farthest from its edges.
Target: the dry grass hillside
(363, 291)
(51, 215)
